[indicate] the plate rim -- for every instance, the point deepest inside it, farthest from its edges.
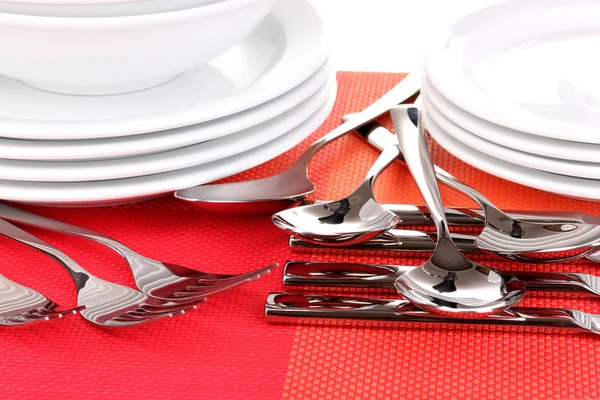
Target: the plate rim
(136, 145)
(515, 157)
(92, 193)
(295, 66)
(179, 158)
(552, 183)
(444, 73)
(503, 136)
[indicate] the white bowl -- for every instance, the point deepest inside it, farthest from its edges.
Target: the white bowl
(109, 9)
(99, 56)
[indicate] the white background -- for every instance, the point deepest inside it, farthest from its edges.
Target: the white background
(387, 35)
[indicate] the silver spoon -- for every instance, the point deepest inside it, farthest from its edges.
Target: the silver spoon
(514, 237)
(278, 192)
(353, 219)
(448, 283)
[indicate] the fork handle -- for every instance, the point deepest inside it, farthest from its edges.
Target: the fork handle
(373, 276)
(28, 218)
(79, 275)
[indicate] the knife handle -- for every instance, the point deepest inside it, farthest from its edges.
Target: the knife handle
(333, 274)
(294, 308)
(375, 276)
(397, 240)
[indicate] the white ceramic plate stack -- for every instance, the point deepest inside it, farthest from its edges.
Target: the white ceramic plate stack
(244, 107)
(513, 89)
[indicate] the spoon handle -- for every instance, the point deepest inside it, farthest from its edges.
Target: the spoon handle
(398, 94)
(380, 137)
(294, 308)
(383, 161)
(375, 276)
(397, 240)
(415, 150)
(79, 275)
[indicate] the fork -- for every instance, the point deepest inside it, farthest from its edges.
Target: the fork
(155, 278)
(105, 303)
(21, 305)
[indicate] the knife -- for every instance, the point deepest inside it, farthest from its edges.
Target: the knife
(377, 276)
(408, 240)
(294, 308)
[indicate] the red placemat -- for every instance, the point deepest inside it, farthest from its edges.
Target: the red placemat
(226, 350)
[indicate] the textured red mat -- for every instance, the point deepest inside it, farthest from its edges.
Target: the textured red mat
(225, 350)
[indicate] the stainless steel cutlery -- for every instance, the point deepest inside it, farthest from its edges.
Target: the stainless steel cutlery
(448, 288)
(570, 236)
(448, 283)
(104, 303)
(20, 305)
(377, 276)
(353, 219)
(277, 192)
(294, 308)
(155, 278)
(414, 241)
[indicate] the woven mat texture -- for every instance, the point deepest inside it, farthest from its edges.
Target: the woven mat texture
(226, 350)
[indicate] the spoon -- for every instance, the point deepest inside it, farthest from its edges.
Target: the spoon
(278, 192)
(448, 283)
(528, 239)
(353, 219)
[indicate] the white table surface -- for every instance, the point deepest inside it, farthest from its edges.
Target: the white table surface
(387, 35)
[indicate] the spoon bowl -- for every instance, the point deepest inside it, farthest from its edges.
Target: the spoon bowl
(354, 219)
(258, 196)
(470, 290)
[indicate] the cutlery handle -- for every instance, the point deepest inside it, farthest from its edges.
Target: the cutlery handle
(398, 240)
(301, 273)
(380, 137)
(79, 275)
(294, 308)
(414, 148)
(398, 94)
(28, 218)
(306, 273)
(419, 215)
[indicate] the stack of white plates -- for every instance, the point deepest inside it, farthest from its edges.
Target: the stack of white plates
(250, 104)
(514, 90)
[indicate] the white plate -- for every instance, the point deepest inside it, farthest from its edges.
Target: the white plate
(133, 189)
(212, 150)
(127, 146)
(286, 49)
(554, 165)
(528, 65)
(548, 147)
(585, 189)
